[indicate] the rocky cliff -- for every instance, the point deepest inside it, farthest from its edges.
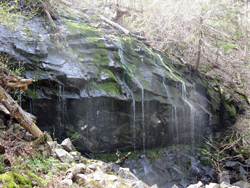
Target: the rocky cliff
(107, 90)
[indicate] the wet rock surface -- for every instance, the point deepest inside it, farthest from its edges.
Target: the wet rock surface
(110, 91)
(179, 166)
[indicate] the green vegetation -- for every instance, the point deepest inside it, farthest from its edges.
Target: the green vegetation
(9, 17)
(217, 150)
(15, 180)
(33, 167)
(111, 88)
(77, 28)
(109, 73)
(12, 66)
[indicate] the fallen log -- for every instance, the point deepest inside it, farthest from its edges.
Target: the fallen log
(121, 28)
(17, 112)
(66, 3)
(114, 24)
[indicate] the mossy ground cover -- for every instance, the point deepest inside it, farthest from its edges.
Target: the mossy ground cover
(27, 167)
(15, 180)
(78, 27)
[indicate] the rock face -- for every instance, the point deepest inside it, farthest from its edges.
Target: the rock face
(110, 92)
(170, 167)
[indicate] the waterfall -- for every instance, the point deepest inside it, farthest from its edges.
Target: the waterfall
(126, 67)
(133, 107)
(202, 103)
(174, 123)
(20, 92)
(184, 98)
(183, 86)
(61, 110)
(192, 117)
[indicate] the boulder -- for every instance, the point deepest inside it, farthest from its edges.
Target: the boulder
(64, 156)
(115, 167)
(77, 169)
(227, 185)
(224, 177)
(174, 186)
(93, 167)
(76, 155)
(28, 137)
(242, 184)
(80, 178)
(212, 185)
(198, 185)
(232, 164)
(10, 130)
(67, 145)
(112, 178)
(103, 182)
(138, 184)
(243, 173)
(126, 174)
(67, 182)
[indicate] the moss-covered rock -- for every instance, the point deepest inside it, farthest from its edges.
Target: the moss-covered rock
(14, 180)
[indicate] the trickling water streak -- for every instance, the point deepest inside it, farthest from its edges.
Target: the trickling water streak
(61, 109)
(120, 52)
(143, 118)
(184, 97)
(87, 118)
(173, 111)
(175, 122)
(192, 116)
(20, 93)
(133, 106)
(201, 102)
(143, 126)
(183, 86)
(210, 115)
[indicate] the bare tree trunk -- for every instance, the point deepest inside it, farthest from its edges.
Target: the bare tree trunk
(18, 113)
(197, 63)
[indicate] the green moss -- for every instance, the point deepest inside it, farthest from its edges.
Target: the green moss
(153, 155)
(104, 61)
(101, 52)
(189, 147)
(94, 184)
(34, 58)
(96, 57)
(117, 57)
(110, 73)
(123, 186)
(15, 180)
(80, 28)
(100, 57)
(111, 88)
(99, 43)
(32, 94)
(80, 55)
(234, 111)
